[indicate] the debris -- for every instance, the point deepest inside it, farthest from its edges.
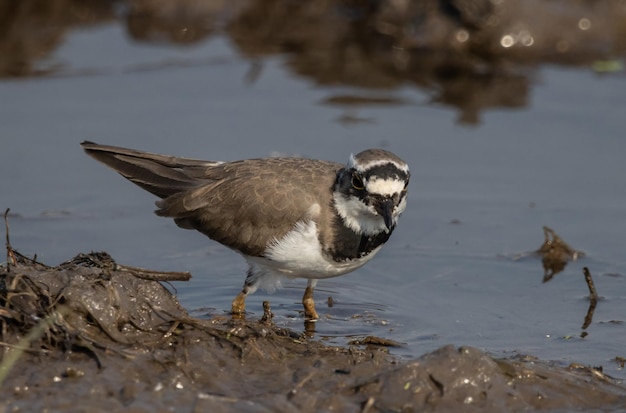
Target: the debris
(593, 299)
(555, 254)
(376, 341)
(267, 313)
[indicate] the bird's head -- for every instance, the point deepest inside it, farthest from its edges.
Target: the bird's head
(370, 192)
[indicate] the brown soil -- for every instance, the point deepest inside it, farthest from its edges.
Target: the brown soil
(100, 338)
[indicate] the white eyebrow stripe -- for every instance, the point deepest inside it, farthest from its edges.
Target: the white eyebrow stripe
(352, 163)
(384, 186)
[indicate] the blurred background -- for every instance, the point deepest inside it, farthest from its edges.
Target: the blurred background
(511, 115)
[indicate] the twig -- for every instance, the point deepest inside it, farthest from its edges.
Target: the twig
(593, 294)
(593, 298)
(155, 275)
(368, 405)
(24, 349)
(10, 256)
(6, 225)
(300, 384)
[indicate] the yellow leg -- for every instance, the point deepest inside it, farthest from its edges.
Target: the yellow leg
(239, 304)
(308, 303)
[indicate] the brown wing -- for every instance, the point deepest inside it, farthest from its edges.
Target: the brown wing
(162, 175)
(247, 204)
(242, 204)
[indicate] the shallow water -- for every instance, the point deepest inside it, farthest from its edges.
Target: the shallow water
(479, 194)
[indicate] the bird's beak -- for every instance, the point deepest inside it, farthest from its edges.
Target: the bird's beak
(385, 209)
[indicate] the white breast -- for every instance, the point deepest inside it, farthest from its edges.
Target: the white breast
(299, 255)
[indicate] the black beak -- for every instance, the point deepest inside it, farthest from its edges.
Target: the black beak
(385, 208)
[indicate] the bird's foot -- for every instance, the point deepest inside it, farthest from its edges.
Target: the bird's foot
(309, 309)
(309, 304)
(238, 307)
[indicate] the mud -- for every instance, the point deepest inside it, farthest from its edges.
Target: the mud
(91, 335)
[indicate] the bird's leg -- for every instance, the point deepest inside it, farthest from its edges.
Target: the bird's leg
(239, 303)
(308, 303)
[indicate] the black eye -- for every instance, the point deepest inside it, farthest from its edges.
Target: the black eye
(357, 182)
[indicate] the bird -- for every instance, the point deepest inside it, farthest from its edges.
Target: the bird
(288, 217)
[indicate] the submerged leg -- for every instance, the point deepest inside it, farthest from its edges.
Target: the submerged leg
(239, 303)
(308, 303)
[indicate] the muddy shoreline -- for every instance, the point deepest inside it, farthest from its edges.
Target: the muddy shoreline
(109, 340)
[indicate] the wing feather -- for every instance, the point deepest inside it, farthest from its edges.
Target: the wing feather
(247, 205)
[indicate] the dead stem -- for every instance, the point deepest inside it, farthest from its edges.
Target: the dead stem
(593, 298)
(593, 294)
(10, 256)
(152, 275)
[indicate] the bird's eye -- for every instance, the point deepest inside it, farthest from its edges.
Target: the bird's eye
(357, 182)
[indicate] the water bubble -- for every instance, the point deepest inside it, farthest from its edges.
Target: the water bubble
(507, 41)
(584, 24)
(462, 36)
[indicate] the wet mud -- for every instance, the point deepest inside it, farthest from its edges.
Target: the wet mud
(92, 335)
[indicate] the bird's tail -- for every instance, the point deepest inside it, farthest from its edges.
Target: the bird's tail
(161, 175)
